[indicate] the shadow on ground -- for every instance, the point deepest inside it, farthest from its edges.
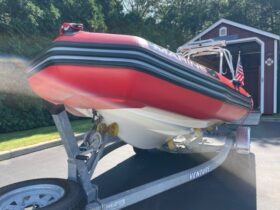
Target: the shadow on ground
(266, 133)
(230, 187)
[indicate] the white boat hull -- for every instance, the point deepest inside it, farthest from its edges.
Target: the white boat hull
(148, 127)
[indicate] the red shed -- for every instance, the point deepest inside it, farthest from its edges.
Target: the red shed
(259, 57)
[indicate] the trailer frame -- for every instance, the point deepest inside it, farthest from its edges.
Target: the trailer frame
(81, 166)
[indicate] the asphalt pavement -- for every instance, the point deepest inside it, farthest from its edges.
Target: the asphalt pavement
(240, 183)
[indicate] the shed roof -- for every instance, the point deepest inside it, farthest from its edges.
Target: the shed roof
(239, 25)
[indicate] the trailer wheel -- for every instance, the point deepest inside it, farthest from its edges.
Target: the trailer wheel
(46, 194)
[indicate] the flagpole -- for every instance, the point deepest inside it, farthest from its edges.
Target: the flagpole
(237, 63)
(238, 60)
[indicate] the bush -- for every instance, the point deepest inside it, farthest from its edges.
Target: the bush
(20, 109)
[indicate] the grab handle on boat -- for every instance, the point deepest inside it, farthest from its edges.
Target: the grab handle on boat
(70, 28)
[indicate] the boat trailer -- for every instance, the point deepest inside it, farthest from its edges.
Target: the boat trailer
(83, 158)
(81, 166)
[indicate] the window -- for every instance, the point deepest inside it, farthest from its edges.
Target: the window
(223, 31)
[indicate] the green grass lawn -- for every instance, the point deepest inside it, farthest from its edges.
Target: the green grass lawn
(19, 139)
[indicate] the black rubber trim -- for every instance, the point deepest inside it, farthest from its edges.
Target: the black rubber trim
(221, 95)
(103, 46)
(152, 71)
(154, 64)
(159, 57)
(152, 61)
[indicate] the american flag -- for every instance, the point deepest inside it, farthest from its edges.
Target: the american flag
(239, 75)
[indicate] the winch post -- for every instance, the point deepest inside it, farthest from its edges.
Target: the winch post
(77, 168)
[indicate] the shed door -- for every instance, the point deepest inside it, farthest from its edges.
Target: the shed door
(252, 84)
(251, 61)
(251, 68)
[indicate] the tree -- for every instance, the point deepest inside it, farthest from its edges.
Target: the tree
(113, 15)
(87, 12)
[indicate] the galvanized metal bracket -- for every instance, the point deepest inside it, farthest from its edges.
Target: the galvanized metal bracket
(81, 167)
(243, 140)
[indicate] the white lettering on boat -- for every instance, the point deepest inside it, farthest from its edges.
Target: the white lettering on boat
(169, 54)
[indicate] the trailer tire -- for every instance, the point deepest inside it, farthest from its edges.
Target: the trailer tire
(62, 194)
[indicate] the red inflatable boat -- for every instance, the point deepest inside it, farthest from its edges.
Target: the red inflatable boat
(151, 92)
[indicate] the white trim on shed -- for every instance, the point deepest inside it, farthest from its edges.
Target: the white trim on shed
(275, 75)
(223, 31)
(239, 25)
